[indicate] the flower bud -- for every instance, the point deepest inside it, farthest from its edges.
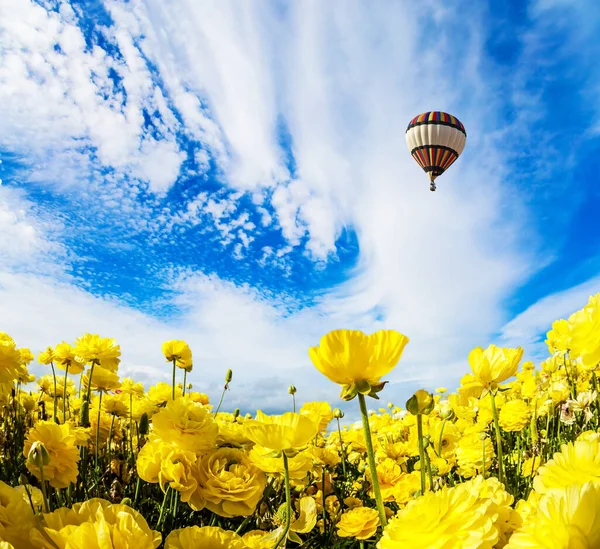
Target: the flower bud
(126, 501)
(236, 414)
(38, 455)
(23, 480)
(448, 414)
(84, 414)
(420, 403)
(292, 390)
(338, 414)
(229, 376)
(144, 425)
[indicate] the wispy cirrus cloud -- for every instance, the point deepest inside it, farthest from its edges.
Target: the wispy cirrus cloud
(237, 176)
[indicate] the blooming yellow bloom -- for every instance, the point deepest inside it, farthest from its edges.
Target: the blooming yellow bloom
(558, 339)
(299, 465)
(356, 360)
(131, 387)
(207, 537)
(451, 518)
(60, 443)
(188, 425)
(162, 392)
(585, 333)
(64, 356)
(494, 364)
(10, 363)
(577, 463)
(563, 519)
(178, 351)
(283, 432)
(230, 483)
(102, 379)
(96, 524)
(319, 412)
(515, 415)
(91, 348)
(531, 466)
(16, 518)
(473, 454)
(359, 523)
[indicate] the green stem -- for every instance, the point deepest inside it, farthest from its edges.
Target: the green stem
(89, 387)
(221, 401)
(184, 380)
(54, 377)
(98, 427)
(131, 424)
(371, 459)
(342, 448)
(439, 452)
(421, 451)
(288, 502)
(324, 513)
(43, 484)
(498, 439)
(162, 507)
(294, 400)
(483, 443)
(65, 395)
(174, 365)
(110, 434)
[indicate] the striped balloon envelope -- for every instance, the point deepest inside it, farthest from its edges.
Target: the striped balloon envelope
(435, 140)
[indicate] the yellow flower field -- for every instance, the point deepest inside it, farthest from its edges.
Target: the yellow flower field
(511, 459)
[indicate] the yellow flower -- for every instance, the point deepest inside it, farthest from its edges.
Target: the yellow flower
(284, 432)
(230, 483)
(420, 403)
(113, 405)
(177, 469)
(472, 453)
(558, 339)
(319, 412)
(47, 356)
(178, 351)
(131, 387)
(359, 523)
(61, 446)
(515, 416)
(26, 356)
(188, 425)
(16, 518)
(358, 361)
(162, 392)
(585, 333)
(389, 474)
(102, 379)
(563, 519)
(96, 524)
(10, 362)
(299, 465)
(257, 539)
(64, 356)
(576, 463)
(531, 466)
(494, 364)
(451, 518)
(206, 537)
(91, 348)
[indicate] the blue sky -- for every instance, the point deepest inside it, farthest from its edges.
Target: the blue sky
(236, 175)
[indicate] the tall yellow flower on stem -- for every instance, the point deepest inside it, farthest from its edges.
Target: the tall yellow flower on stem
(358, 362)
(490, 367)
(283, 435)
(179, 353)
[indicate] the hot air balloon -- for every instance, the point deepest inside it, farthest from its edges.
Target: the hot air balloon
(435, 140)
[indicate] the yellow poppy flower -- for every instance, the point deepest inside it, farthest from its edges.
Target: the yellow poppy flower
(358, 361)
(360, 523)
(206, 537)
(494, 364)
(284, 432)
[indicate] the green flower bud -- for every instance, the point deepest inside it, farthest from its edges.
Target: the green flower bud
(84, 414)
(144, 427)
(420, 403)
(338, 414)
(229, 376)
(292, 390)
(38, 455)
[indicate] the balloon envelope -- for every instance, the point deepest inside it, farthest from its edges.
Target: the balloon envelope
(435, 140)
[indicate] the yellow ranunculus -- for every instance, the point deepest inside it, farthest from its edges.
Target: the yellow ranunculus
(230, 483)
(494, 364)
(585, 333)
(178, 351)
(206, 537)
(64, 356)
(283, 432)
(569, 517)
(187, 424)
(515, 416)
(61, 446)
(356, 360)
(319, 412)
(16, 518)
(96, 524)
(299, 465)
(91, 348)
(577, 463)
(102, 379)
(359, 523)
